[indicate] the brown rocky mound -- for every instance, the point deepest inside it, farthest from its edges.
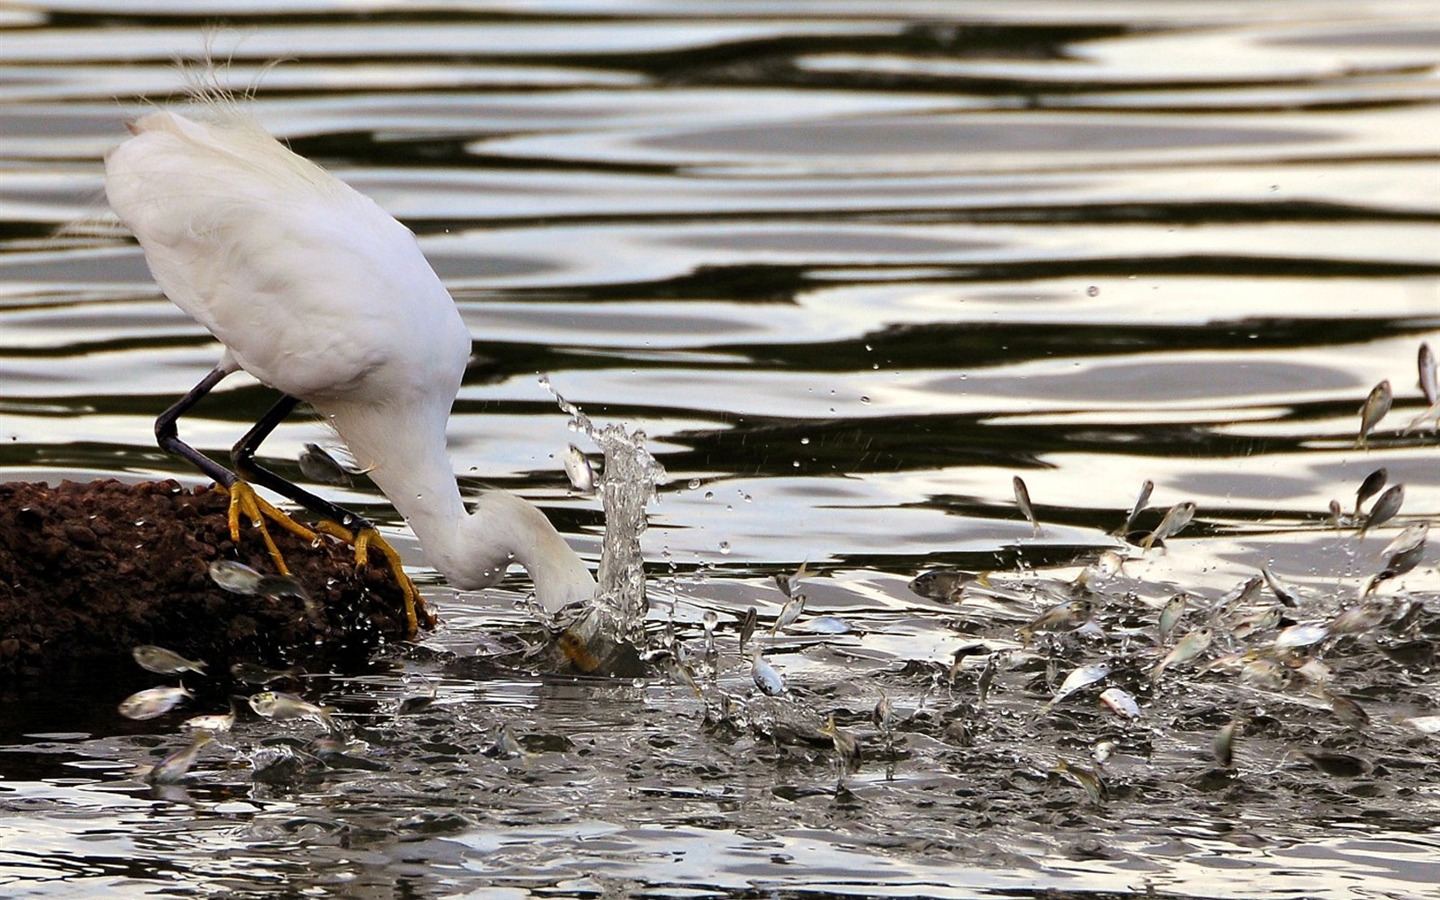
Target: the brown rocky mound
(89, 571)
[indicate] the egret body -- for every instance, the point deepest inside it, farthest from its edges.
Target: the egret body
(320, 294)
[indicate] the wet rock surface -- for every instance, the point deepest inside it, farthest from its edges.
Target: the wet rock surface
(90, 570)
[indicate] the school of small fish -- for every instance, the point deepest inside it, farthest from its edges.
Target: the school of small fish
(1084, 649)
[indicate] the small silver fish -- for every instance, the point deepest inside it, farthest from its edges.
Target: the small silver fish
(1360, 619)
(1145, 490)
(1283, 592)
(414, 703)
(1105, 567)
(579, 470)
(826, 625)
(1385, 508)
(173, 768)
(1429, 388)
(676, 670)
(1223, 745)
(787, 583)
(1255, 623)
(318, 465)
(1370, 487)
(1242, 594)
(283, 586)
(987, 678)
(1313, 671)
(1089, 781)
(238, 578)
(1398, 564)
(1187, 648)
(1376, 405)
(1429, 376)
(152, 702)
(1406, 541)
(847, 746)
(235, 577)
(215, 723)
(281, 707)
(1174, 522)
(1304, 634)
(1171, 614)
(747, 626)
(947, 585)
(764, 675)
(1022, 500)
(789, 613)
(1264, 672)
(962, 653)
(1078, 678)
(506, 746)
(883, 715)
(337, 754)
(1101, 752)
(1424, 724)
(1120, 702)
(165, 662)
(1348, 711)
(1058, 617)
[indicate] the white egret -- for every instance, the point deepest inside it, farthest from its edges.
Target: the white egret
(320, 294)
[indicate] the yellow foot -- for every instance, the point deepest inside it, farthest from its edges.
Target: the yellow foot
(368, 539)
(244, 501)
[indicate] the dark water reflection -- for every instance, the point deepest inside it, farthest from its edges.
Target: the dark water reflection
(852, 268)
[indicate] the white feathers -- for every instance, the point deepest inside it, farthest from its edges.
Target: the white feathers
(321, 294)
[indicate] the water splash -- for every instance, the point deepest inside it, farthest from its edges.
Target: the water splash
(627, 483)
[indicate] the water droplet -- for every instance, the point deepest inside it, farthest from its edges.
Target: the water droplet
(139, 522)
(1092, 291)
(709, 495)
(804, 440)
(694, 484)
(725, 547)
(865, 399)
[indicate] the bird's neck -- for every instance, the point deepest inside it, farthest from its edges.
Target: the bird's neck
(409, 463)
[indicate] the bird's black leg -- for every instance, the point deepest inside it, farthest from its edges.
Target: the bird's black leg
(243, 455)
(168, 436)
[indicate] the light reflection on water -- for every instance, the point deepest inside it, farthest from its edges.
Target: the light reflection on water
(850, 270)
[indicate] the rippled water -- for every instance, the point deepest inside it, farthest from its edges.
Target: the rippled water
(851, 267)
